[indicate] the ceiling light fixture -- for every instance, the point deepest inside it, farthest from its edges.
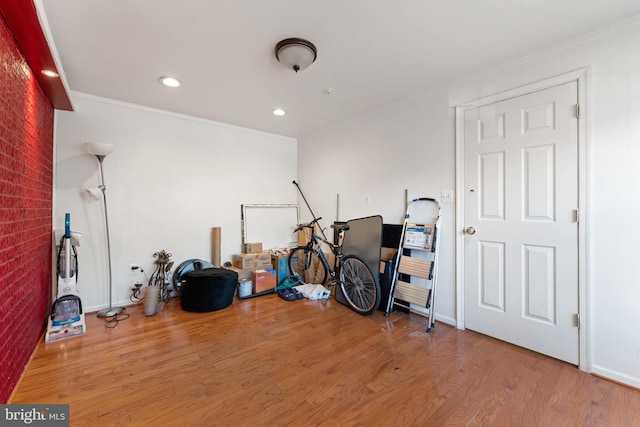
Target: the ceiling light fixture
(50, 73)
(296, 53)
(279, 112)
(170, 81)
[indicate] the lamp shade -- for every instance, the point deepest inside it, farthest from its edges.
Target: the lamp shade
(98, 148)
(94, 193)
(296, 53)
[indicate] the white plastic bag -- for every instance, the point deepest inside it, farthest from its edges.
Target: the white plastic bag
(313, 292)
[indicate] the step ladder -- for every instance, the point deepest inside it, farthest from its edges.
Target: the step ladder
(416, 268)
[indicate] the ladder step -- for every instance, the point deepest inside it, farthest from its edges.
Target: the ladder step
(418, 295)
(416, 267)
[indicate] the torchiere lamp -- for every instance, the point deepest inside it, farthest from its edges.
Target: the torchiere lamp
(101, 150)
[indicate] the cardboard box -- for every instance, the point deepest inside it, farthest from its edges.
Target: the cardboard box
(280, 263)
(263, 279)
(263, 260)
(387, 253)
(243, 273)
(245, 261)
(252, 248)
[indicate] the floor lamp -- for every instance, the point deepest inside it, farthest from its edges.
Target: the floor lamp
(102, 150)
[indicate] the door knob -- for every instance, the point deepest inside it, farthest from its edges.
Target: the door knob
(470, 230)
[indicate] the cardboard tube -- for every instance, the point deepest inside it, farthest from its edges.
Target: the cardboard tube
(215, 246)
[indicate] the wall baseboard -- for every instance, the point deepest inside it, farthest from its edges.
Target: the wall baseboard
(94, 309)
(439, 317)
(616, 377)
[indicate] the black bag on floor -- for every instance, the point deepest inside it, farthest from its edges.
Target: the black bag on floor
(209, 289)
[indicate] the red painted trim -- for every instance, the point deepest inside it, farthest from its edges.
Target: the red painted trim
(22, 19)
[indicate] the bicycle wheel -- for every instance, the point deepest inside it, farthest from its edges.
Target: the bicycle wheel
(358, 285)
(305, 264)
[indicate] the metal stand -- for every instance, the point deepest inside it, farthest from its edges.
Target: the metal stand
(109, 311)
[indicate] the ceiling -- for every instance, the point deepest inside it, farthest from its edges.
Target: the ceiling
(372, 52)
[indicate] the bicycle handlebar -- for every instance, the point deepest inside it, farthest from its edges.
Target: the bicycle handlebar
(307, 225)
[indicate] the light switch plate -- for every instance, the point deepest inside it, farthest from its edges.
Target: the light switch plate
(446, 196)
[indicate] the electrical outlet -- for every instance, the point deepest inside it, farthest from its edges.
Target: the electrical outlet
(446, 196)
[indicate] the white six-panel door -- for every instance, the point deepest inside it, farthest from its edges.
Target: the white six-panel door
(521, 238)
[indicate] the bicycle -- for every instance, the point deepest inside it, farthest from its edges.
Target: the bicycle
(350, 272)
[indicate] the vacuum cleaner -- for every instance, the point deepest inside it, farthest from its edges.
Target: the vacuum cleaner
(66, 319)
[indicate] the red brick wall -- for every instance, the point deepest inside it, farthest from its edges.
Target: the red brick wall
(26, 176)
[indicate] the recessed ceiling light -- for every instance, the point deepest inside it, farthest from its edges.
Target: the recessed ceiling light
(279, 112)
(170, 81)
(50, 73)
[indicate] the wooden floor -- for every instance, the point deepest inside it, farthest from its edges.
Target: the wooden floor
(264, 361)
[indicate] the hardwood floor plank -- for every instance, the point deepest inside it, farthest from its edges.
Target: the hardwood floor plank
(264, 361)
(536, 376)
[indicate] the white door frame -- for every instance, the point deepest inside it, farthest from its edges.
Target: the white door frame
(581, 76)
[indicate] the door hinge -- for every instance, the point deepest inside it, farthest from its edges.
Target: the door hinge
(578, 320)
(576, 214)
(577, 111)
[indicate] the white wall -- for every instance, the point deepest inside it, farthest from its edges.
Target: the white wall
(411, 145)
(169, 180)
(381, 156)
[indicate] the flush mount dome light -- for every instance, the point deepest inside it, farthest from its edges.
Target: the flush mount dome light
(296, 53)
(170, 81)
(279, 112)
